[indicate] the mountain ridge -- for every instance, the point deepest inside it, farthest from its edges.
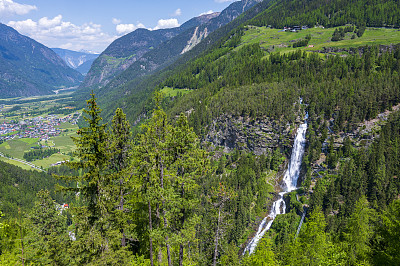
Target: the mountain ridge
(80, 61)
(27, 67)
(124, 51)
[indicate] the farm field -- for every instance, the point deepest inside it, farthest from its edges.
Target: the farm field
(276, 40)
(17, 147)
(53, 131)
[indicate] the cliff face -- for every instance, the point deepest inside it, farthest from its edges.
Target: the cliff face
(260, 136)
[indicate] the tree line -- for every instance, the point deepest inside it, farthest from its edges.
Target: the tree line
(40, 153)
(370, 13)
(158, 198)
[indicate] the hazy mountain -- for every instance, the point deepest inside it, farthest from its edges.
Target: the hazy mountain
(187, 36)
(127, 49)
(30, 68)
(167, 52)
(81, 61)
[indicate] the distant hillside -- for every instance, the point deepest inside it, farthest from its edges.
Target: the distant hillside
(30, 68)
(371, 13)
(81, 61)
(18, 188)
(169, 51)
(132, 92)
(127, 49)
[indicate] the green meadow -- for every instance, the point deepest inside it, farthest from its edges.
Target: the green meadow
(16, 147)
(172, 92)
(276, 40)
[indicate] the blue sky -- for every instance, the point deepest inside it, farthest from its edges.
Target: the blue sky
(94, 24)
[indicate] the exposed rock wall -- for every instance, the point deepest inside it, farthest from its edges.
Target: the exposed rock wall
(255, 135)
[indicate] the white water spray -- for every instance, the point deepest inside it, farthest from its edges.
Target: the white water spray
(290, 180)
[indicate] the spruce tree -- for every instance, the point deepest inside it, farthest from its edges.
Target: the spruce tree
(49, 238)
(97, 240)
(120, 155)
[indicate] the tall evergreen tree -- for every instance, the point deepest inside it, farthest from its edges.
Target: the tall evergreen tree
(97, 241)
(120, 155)
(49, 238)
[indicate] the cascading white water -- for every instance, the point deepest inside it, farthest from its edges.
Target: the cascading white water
(290, 180)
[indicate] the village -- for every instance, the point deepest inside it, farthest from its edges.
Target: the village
(41, 127)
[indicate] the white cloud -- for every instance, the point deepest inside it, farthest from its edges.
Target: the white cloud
(207, 13)
(116, 21)
(177, 12)
(9, 7)
(167, 23)
(63, 34)
(126, 28)
(223, 1)
(45, 22)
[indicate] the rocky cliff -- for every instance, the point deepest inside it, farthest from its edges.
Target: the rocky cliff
(255, 135)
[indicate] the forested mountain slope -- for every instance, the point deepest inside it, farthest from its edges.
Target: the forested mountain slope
(139, 90)
(194, 183)
(18, 188)
(124, 51)
(167, 52)
(371, 13)
(30, 68)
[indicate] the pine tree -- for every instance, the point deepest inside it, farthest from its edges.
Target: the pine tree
(93, 157)
(312, 246)
(388, 250)
(263, 254)
(49, 238)
(360, 231)
(150, 161)
(97, 241)
(120, 156)
(189, 164)
(220, 196)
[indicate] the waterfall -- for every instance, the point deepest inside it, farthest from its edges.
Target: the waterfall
(290, 184)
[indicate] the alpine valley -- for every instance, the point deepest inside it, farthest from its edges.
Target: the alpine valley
(264, 134)
(29, 68)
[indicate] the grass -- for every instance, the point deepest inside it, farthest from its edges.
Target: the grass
(172, 92)
(30, 141)
(64, 142)
(47, 162)
(22, 165)
(275, 41)
(17, 147)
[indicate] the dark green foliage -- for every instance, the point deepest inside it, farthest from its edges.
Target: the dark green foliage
(97, 221)
(300, 43)
(18, 188)
(340, 33)
(360, 31)
(358, 88)
(371, 13)
(49, 238)
(388, 248)
(39, 154)
(248, 180)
